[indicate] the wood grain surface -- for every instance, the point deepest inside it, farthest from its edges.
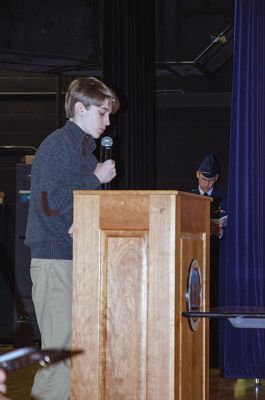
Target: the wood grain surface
(132, 252)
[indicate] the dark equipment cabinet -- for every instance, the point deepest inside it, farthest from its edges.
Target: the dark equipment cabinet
(6, 274)
(26, 330)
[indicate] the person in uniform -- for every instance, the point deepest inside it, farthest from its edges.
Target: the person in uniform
(207, 176)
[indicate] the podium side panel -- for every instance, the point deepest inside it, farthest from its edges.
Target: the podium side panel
(193, 344)
(194, 243)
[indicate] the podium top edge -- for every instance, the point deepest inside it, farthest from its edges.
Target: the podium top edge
(140, 192)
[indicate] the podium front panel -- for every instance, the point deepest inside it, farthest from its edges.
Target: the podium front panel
(129, 279)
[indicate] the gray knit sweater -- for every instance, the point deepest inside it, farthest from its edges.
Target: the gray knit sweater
(64, 162)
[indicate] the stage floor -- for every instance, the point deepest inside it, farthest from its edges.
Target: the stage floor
(19, 384)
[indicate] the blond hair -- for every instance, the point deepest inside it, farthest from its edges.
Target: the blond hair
(89, 91)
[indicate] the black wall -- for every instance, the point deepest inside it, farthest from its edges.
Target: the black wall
(184, 135)
(191, 109)
(50, 36)
(192, 88)
(29, 111)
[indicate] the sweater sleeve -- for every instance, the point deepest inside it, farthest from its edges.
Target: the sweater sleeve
(60, 174)
(58, 169)
(52, 171)
(88, 180)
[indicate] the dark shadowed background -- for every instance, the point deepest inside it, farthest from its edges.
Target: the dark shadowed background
(171, 61)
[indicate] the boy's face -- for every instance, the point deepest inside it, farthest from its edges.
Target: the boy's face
(93, 120)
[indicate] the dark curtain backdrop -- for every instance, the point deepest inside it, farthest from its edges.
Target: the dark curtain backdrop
(244, 352)
(128, 66)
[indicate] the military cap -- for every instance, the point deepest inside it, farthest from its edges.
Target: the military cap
(209, 166)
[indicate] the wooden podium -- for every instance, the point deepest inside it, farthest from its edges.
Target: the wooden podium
(132, 254)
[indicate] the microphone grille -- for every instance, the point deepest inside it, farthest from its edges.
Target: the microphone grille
(106, 141)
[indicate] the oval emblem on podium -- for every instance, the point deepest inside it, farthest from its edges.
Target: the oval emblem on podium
(194, 293)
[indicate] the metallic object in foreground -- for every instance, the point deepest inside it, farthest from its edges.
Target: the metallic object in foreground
(25, 356)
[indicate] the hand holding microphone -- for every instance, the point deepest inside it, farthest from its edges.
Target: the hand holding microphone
(105, 171)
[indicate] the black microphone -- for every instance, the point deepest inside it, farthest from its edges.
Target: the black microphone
(105, 153)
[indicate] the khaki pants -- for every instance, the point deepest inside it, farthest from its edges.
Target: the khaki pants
(52, 297)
